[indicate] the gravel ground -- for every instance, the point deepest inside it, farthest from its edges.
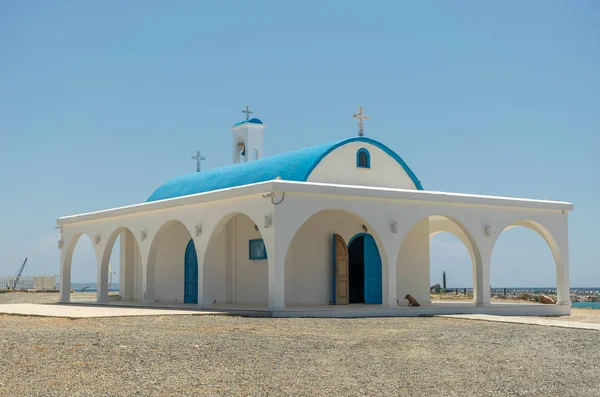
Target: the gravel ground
(225, 355)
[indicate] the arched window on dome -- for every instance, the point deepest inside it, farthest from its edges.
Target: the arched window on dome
(363, 159)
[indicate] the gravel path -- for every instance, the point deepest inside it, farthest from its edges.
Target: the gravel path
(211, 355)
(223, 355)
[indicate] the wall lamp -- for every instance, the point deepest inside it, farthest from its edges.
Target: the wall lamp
(198, 229)
(394, 227)
(267, 221)
(143, 235)
(97, 238)
(487, 230)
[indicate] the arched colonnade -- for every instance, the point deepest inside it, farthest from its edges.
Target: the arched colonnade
(295, 236)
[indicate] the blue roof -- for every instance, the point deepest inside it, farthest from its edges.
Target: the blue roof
(291, 166)
(251, 121)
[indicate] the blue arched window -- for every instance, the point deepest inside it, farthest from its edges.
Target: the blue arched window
(363, 159)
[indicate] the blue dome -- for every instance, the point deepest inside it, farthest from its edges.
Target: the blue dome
(251, 121)
(290, 166)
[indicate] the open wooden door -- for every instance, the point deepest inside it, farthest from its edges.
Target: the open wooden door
(341, 279)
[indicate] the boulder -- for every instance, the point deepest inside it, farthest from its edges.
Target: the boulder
(546, 300)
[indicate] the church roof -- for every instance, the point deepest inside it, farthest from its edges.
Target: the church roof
(290, 166)
(251, 121)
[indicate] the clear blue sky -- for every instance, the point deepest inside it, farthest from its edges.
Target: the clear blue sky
(101, 102)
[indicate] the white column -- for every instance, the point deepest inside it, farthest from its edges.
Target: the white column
(391, 247)
(481, 287)
(127, 264)
(65, 274)
(148, 282)
(562, 272)
(414, 263)
(201, 244)
(102, 293)
(277, 248)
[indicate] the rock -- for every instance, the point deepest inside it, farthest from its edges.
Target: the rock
(546, 300)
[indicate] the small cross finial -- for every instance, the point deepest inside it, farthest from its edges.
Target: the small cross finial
(361, 117)
(248, 112)
(198, 159)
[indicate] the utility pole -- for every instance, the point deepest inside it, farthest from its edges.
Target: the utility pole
(444, 279)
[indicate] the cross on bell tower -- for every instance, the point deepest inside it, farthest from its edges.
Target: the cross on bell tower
(361, 117)
(248, 112)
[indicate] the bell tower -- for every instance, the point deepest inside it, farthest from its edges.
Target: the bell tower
(247, 139)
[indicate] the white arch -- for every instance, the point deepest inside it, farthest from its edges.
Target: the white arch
(413, 262)
(319, 274)
(66, 262)
(149, 273)
(126, 232)
(560, 261)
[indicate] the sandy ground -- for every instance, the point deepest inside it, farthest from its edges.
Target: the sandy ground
(226, 355)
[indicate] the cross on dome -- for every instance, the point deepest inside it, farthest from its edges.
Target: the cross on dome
(361, 117)
(198, 157)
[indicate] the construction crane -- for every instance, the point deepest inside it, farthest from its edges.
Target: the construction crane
(19, 274)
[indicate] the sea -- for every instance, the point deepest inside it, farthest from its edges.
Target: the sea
(579, 291)
(586, 305)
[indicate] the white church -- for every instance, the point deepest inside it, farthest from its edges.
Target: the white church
(338, 229)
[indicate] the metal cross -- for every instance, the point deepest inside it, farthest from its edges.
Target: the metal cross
(361, 117)
(248, 112)
(198, 159)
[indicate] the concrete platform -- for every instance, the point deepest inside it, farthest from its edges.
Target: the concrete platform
(89, 311)
(118, 308)
(526, 320)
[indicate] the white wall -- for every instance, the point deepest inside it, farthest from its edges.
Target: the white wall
(214, 268)
(339, 167)
(413, 265)
(229, 275)
(170, 259)
(251, 276)
(308, 265)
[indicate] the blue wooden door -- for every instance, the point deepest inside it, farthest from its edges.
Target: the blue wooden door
(372, 271)
(190, 294)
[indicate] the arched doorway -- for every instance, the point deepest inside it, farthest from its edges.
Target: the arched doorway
(317, 267)
(166, 269)
(190, 294)
(364, 273)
